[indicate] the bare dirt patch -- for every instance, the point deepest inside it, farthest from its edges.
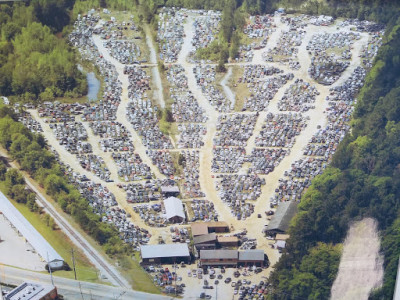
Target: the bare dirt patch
(361, 265)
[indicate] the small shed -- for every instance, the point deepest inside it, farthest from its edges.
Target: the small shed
(165, 253)
(169, 191)
(218, 227)
(174, 211)
(228, 241)
(251, 258)
(280, 245)
(205, 241)
(199, 229)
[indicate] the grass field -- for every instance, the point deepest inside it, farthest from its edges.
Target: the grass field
(139, 278)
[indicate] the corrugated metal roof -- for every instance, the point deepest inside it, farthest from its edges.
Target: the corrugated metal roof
(37, 241)
(173, 207)
(164, 250)
(251, 255)
(282, 217)
(218, 254)
(205, 238)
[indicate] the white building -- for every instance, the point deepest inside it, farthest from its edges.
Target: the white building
(174, 211)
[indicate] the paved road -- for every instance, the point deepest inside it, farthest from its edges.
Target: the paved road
(72, 289)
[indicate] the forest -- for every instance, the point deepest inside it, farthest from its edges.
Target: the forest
(36, 63)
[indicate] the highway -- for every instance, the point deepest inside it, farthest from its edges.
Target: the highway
(72, 289)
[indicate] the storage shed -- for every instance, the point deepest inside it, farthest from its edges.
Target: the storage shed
(174, 211)
(199, 229)
(165, 253)
(228, 241)
(218, 227)
(205, 241)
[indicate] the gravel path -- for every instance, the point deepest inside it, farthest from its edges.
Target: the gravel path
(227, 90)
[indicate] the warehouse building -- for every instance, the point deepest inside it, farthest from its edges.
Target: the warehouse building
(233, 258)
(34, 238)
(165, 253)
(219, 258)
(174, 211)
(281, 219)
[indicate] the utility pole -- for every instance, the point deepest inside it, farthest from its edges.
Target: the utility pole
(48, 265)
(73, 261)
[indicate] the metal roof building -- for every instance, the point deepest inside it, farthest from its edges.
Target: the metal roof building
(174, 211)
(41, 246)
(251, 255)
(282, 217)
(164, 252)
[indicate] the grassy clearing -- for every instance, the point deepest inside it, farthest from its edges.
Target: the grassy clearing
(175, 160)
(60, 242)
(136, 275)
(70, 100)
(241, 90)
(173, 131)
